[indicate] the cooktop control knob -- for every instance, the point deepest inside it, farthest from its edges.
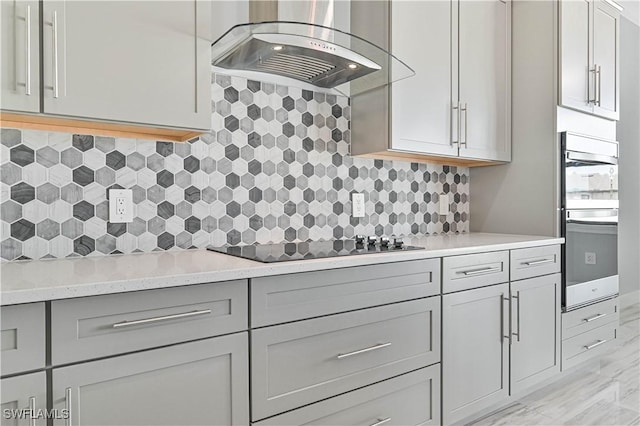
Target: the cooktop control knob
(398, 243)
(372, 241)
(384, 242)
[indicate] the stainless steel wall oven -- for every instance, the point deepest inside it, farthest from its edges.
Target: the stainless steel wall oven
(589, 219)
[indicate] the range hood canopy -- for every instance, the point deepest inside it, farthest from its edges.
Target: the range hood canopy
(310, 56)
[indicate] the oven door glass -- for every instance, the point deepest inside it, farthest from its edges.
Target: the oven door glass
(590, 185)
(591, 249)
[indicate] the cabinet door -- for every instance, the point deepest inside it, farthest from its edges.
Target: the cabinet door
(484, 68)
(203, 382)
(475, 351)
(576, 77)
(20, 72)
(535, 324)
(131, 61)
(21, 394)
(605, 58)
(422, 110)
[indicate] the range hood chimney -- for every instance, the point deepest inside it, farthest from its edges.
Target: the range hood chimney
(315, 57)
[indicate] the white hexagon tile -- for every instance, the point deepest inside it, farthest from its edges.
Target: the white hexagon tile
(275, 169)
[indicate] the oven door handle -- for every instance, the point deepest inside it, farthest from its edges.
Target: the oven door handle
(590, 217)
(587, 157)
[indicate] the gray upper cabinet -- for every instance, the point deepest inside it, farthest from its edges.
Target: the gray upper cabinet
(475, 350)
(457, 107)
(484, 76)
(422, 114)
(20, 73)
(535, 327)
(198, 383)
(589, 56)
(128, 61)
(26, 392)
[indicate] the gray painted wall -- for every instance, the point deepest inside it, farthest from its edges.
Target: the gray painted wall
(628, 132)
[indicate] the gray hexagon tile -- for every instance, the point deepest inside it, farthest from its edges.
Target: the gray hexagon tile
(275, 167)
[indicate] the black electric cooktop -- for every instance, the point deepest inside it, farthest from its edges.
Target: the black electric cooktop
(270, 253)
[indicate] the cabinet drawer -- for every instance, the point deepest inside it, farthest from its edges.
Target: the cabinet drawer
(292, 297)
(588, 345)
(22, 338)
(410, 399)
(304, 362)
(98, 326)
(534, 262)
(474, 270)
(590, 317)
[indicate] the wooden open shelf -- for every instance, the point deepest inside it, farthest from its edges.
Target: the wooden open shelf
(423, 158)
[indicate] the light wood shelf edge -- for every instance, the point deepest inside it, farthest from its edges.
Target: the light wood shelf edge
(424, 158)
(67, 125)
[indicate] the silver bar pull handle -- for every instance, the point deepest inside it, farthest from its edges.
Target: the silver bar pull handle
(32, 411)
(538, 262)
(595, 317)
(503, 333)
(67, 405)
(457, 109)
(54, 24)
(594, 100)
(517, 332)
(28, 52)
(365, 350)
(464, 109)
(162, 318)
(599, 75)
(481, 271)
(381, 422)
(595, 345)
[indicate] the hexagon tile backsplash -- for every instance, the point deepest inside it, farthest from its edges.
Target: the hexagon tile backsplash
(276, 169)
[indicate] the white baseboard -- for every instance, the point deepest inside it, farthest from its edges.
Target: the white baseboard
(630, 298)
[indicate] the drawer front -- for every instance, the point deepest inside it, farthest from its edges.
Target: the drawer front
(410, 399)
(588, 345)
(474, 270)
(534, 262)
(304, 362)
(293, 297)
(593, 316)
(23, 338)
(98, 326)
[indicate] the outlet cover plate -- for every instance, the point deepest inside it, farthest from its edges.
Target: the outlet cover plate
(357, 200)
(120, 205)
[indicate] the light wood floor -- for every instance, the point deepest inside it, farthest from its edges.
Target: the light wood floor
(604, 394)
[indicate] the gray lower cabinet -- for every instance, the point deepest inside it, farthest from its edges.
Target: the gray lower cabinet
(22, 344)
(303, 362)
(197, 383)
(535, 326)
(410, 399)
(23, 400)
(475, 350)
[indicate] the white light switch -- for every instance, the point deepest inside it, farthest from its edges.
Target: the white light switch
(357, 200)
(120, 205)
(444, 204)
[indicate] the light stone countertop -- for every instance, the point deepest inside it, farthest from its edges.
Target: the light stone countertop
(50, 279)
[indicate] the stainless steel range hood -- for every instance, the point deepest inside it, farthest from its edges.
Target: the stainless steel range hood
(311, 56)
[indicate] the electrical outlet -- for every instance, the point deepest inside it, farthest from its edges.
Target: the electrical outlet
(590, 258)
(444, 204)
(357, 201)
(120, 205)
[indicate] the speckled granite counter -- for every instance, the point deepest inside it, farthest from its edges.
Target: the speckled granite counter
(33, 281)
